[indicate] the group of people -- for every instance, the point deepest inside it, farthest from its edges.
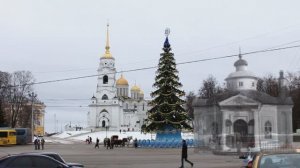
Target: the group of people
(39, 142)
(109, 145)
(88, 140)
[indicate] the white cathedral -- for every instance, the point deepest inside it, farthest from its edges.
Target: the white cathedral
(111, 107)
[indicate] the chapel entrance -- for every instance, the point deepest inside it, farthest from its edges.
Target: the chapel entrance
(240, 128)
(103, 124)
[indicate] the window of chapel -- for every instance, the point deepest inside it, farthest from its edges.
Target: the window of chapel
(268, 130)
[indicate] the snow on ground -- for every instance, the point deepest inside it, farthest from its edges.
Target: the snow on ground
(67, 134)
(82, 135)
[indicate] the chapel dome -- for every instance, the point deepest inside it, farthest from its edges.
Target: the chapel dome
(241, 62)
(241, 74)
(122, 81)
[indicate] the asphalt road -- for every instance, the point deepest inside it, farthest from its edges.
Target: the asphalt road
(129, 157)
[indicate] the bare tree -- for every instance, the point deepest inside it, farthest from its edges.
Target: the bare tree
(20, 87)
(189, 100)
(210, 88)
(269, 85)
(4, 92)
(294, 91)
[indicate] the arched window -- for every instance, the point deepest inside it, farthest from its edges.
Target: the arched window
(103, 124)
(268, 130)
(104, 97)
(105, 79)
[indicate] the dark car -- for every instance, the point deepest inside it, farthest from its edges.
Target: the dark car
(30, 161)
(57, 157)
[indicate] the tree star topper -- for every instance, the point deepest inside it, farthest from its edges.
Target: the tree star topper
(167, 31)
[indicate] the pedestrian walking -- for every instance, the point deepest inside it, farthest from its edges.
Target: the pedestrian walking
(87, 140)
(97, 143)
(135, 143)
(90, 142)
(108, 143)
(184, 155)
(42, 143)
(112, 143)
(38, 143)
(35, 141)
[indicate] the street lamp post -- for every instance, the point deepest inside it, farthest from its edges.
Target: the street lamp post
(32, 95)
(106, 130)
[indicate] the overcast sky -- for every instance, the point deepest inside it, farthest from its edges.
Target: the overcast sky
(60, 39)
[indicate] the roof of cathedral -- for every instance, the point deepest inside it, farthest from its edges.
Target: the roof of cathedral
(135, 88)
(253, 94)
(122, 81)
(107, 54)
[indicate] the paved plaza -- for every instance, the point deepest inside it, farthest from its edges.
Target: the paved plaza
(129, 157)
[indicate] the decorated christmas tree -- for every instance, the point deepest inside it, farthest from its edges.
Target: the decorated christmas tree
(167, 113)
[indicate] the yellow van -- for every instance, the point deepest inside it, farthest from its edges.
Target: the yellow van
(8, 137)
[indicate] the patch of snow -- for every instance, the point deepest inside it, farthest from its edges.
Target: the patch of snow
(68, 135)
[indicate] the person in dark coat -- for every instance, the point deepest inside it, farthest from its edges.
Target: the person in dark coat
(135, 143)
(184, 154)
(42, 143)
(38, 143)
(108, 143)
(35, 143)
(97, 143)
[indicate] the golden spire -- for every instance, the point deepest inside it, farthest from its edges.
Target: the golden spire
(107, 52)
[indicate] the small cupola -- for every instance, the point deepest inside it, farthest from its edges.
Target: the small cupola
(94, 99)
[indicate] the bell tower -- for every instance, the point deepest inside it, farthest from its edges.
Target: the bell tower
(106, 74)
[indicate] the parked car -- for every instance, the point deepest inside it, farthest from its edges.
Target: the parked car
(30, 161)
(276, 159)
(57, 157)
(248, 160)
(249, 157)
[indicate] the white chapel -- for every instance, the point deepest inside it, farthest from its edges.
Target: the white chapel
(112, 108)
(243, 117)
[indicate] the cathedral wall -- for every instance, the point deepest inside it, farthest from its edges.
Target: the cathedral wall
(115, 116)
(92, 117)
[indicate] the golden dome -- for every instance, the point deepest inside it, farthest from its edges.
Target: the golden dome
(135, 88)
(107, 54)
(122, 81)
(141, 92)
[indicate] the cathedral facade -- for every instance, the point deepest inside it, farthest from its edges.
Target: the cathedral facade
(243, 117)
(112, 107)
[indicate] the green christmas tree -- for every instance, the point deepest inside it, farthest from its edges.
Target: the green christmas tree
(167, 107)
